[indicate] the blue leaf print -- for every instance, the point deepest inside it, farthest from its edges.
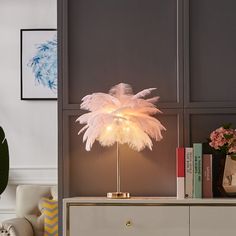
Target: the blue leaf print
(44, 64)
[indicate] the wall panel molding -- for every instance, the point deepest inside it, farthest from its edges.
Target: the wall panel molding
(175, 84)
(77, 160)
(33, 175)
(199, 122)
(7, 213)
(209, 45)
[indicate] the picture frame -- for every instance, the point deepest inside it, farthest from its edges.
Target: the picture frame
(38, 49)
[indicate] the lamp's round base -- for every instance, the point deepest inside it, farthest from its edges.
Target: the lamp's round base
(118, 195)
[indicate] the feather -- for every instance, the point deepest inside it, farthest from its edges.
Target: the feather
(83, 129)
(83, 119)
(143, 93)
(97, 101)
(148, 110)
(153, 100)
(120, 117)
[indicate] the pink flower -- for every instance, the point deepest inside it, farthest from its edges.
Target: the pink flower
(223, 139)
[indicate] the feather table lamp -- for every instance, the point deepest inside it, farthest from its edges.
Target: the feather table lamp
(120, 117)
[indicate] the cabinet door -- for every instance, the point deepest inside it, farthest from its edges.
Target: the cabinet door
(212, 221)
(128, 220)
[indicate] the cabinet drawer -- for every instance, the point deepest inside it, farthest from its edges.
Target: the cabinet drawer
(212, 221)
(128, 220)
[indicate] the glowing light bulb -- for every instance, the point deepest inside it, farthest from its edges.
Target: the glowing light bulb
(120, 115)
(127, 129)
(109, 128)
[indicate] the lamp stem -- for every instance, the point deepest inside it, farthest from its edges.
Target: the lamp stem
(118, 193)
(117, 168)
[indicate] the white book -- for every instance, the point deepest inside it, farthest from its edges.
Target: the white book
(180, 188)
(189, 172)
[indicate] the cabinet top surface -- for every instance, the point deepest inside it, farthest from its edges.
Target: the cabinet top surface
(149, 201)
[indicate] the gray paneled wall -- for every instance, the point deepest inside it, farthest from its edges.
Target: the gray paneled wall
(212, 51)
(187, 49)
(130, 41)
(210, 68)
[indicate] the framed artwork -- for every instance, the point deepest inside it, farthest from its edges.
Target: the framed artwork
(38, 64)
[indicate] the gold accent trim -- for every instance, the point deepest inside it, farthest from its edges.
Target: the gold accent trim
(118, 195)
(147, 204)
(73, 204)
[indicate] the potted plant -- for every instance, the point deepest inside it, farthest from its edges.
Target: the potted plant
(4, 161)
(223, 141)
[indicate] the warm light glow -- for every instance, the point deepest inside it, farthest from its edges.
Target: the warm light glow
(122, 117)
(109, 128)
(127, 129)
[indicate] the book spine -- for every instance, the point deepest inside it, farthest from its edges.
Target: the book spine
(189, 172)
(197, 180)
(180, 172)
(207, 191)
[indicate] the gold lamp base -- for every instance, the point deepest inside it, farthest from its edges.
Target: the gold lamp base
(118, 195)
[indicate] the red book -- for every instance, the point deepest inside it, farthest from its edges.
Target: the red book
(180, 172)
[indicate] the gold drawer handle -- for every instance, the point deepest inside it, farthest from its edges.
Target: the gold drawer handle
(128, 223)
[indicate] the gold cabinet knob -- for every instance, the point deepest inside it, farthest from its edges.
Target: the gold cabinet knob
(128, 223)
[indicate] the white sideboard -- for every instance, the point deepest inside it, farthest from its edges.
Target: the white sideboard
(149, 217)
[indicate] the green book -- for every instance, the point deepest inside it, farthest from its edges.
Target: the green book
(197, 173)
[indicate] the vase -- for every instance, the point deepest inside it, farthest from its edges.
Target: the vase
(218, 166)
(229, 177)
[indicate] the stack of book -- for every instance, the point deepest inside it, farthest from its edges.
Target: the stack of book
(195, 172)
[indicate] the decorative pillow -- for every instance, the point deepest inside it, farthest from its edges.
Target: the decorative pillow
(50, 212)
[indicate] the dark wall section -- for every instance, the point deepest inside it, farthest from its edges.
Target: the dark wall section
(112, 41)
(210, 99)
(212, 51)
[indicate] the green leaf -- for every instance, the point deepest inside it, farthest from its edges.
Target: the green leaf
(227, 125)
(228, 136)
